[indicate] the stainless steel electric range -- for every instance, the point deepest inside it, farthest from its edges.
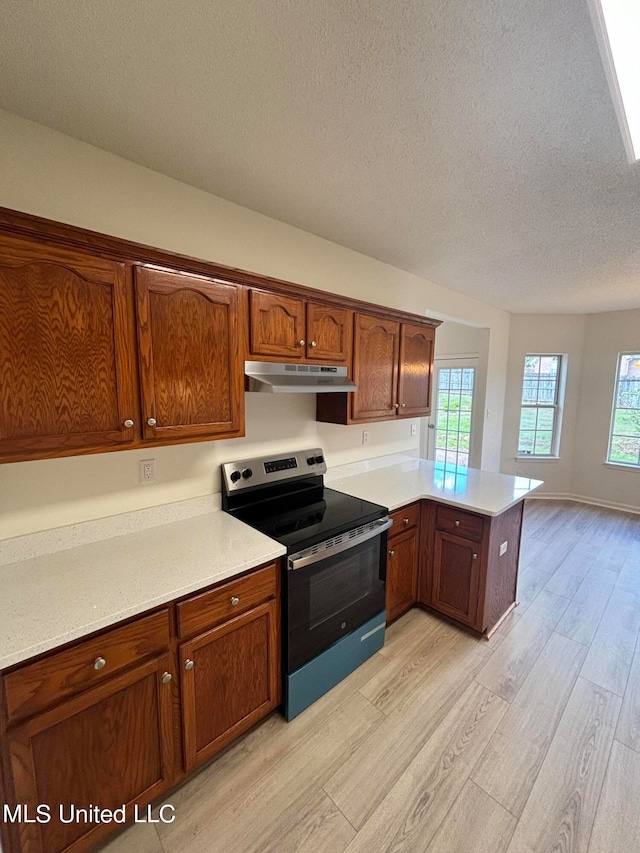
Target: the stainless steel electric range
(334, 572)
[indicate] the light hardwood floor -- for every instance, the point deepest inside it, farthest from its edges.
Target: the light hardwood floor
(528, 743)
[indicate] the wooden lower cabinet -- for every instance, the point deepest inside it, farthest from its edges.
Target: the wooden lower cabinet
(108, 721)
(456, 578)
(108, 746)
(402, 561)
(469, 563)
(230, 680)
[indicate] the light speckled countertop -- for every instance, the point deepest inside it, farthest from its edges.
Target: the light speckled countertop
(50, 600)
(394, 486)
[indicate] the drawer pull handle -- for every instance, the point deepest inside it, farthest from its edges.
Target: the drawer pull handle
(166, 677)
(391, 553)
(99, 663)
(406, 520)
(457, 523)
(189, 664)
(475, 556)
(234, 601)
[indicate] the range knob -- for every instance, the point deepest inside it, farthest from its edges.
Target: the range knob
(311, 460)
(247, 473)
(319, 460)
(234, 476)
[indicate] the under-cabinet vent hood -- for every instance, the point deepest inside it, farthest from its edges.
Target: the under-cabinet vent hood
(270, 378)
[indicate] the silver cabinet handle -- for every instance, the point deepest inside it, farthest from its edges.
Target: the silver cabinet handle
(396, 405)
(475, 556)
(391, 553)
(457, 523)
(99, 663)
(166, 677)
(403, 405)
(128, 423)
(314, 344)
(189, 664)
(234, 601)
(152, 422)
(300, 343)
(406, 520)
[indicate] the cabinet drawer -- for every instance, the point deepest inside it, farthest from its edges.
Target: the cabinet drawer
(460, 523)
(39, 685)
(404, 519)
(210, 608)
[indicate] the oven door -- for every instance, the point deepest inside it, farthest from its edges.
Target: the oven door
(334, 588)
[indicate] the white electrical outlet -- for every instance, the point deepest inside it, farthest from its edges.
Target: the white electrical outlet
(147, 470)
(503, 548)
(365, 436)
(414, 429)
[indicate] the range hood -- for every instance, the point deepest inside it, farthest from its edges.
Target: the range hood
(270, 378)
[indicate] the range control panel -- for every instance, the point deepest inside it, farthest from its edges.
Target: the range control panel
(271, 469)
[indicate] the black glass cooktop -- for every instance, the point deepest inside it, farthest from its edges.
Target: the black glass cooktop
(304, 519)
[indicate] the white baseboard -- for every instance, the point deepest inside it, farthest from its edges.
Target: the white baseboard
(582, 499)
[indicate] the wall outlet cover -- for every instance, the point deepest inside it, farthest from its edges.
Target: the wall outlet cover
(147, 470)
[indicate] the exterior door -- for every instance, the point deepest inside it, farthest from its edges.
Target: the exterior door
(190, 366)
(450, 436)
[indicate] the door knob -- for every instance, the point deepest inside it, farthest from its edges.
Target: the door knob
(300, 343)
(152, 422)
(189, 664)
(166, 677)
(128, 423)
(314, 344)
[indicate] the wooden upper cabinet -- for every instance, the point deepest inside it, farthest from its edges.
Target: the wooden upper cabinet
(191, 368)
(277, 325)
(66, 351)
(329, 333)
(375, 367)
(416, 366)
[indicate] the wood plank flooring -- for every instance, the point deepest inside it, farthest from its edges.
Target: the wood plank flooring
(528, 743)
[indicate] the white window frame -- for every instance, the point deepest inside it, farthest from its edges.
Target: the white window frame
(608, 461)
(557, 406)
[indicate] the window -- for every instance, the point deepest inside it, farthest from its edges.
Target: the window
(624, 440)
(539, 413)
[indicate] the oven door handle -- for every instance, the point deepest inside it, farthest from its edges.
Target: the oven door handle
(314, 555)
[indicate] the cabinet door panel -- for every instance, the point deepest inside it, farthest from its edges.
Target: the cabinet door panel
(416, 368)
(277, 325)
(66, 352)
(190, 366)
(456, 577)
(329, 333)
(375, 367)
(234, 680)
(402, 573)
(110, 746)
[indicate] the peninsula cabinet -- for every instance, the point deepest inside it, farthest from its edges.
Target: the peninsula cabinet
(66, 344)
(191, 368)
(469, 564)
(283, 328)
(392, 367)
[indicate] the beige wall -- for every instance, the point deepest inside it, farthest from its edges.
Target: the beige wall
(605, 336)
(591, 344)
(51, 175)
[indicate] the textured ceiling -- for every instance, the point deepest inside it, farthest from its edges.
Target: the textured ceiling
(473, 142)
